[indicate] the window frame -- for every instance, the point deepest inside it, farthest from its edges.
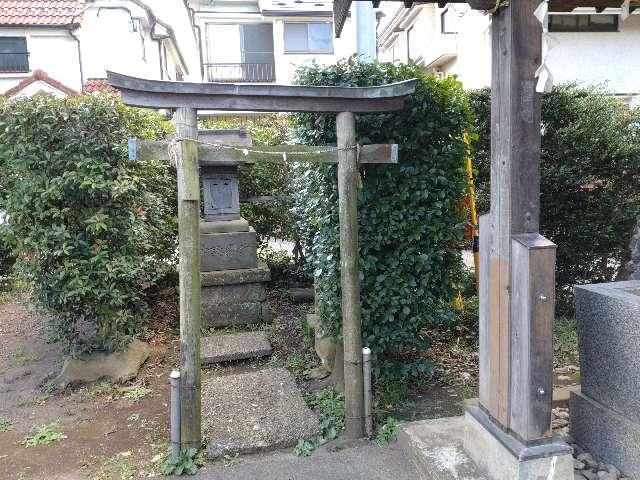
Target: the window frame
(25, 67)
(615, 27)
(308, 51)
(442, 21)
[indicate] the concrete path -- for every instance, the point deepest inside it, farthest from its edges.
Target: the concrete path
(365, 462)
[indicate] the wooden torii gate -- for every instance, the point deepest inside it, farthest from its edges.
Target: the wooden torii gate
(186, 98)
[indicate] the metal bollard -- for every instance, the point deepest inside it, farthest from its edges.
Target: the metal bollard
(366, 371)
(174, 380)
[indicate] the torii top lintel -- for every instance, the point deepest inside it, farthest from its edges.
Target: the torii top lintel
(260, 98)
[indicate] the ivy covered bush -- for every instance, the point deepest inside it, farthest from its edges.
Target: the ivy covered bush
(589, 181)
(408, 213)
(93, 230)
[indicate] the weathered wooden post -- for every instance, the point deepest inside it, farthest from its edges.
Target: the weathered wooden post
(349, 275)
(189, 270)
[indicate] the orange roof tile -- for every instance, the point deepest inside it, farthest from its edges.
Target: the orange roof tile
(41, 12)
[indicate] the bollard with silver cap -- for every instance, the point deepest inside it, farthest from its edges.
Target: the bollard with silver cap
(366, 372)
(174, 380)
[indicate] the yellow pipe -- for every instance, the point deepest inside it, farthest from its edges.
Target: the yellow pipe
(474, 214)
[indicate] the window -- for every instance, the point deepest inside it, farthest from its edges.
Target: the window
(308, 38)
(449, 20)
(414, 43)
(13, 54)
(583, 23)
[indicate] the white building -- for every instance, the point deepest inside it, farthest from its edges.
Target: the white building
(265, 40)
(63, 46)
(588, 47)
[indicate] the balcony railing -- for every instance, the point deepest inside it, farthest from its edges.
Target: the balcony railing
(240, 72)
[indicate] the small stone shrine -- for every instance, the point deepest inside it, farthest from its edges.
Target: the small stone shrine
(233, 290)
(605, 411)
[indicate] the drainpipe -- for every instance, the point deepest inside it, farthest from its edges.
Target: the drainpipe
(73, 35)
(198, 35)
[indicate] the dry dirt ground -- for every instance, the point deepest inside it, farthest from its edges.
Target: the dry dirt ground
(107, 436)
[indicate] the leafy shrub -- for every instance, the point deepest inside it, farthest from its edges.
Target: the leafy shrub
(589, 180)
(268, 185)
(93, 230)
(408, 216)
(7, 246)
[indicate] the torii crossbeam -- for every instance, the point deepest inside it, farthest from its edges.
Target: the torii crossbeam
(345, 101)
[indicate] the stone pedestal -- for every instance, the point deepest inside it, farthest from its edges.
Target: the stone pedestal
(504, 457)
(235, 294)
(605, 413)
(473, 448)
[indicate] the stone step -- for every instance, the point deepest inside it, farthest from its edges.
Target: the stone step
(254, 412)
(436, 448)
(236, 346)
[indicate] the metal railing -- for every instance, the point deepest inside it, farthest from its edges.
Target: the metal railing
(14, 62)
(240, 72)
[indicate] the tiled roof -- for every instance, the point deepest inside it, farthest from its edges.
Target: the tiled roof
(93, 85)
(39, 76)
(41, 12)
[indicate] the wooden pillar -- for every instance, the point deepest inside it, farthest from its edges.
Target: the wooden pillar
(189, 271)
(349, 276)
(515, 191)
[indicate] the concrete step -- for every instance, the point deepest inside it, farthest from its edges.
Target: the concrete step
(236, 346)
(436, 448)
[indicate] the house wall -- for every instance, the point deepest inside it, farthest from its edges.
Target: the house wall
(589, 58)
(285, 63)
(51, 50)
(114, 35)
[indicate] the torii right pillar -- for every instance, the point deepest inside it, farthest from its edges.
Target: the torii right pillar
(508, 434)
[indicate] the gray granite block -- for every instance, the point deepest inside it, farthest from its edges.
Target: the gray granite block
(260, 273)
(608, 317)
(237, 346)
(228, 251)
(224, 226)
(609, 436)
(225, 314)
(239, 293)
(253, 412)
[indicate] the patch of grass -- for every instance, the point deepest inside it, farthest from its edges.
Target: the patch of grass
(329, 406)
(187, 463)
(231, 460)
(565, 342)
(20, 358)
(108, 389)
(43, 435)
(386, 433)
(5, 426)
(123, 464)
(36, 400)
(133, 418)
(136, 392)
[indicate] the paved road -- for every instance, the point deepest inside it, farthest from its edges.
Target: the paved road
(365, 462)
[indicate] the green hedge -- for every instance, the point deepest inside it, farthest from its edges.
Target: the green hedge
(589, 181)
(408, 217)
(93, 230)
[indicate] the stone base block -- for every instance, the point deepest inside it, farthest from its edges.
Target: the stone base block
(225, 226)
(239, 293)
(228, 251)
(226, 314)
(606, 434)
(503, 457)
(436, 448)
(258, 274)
